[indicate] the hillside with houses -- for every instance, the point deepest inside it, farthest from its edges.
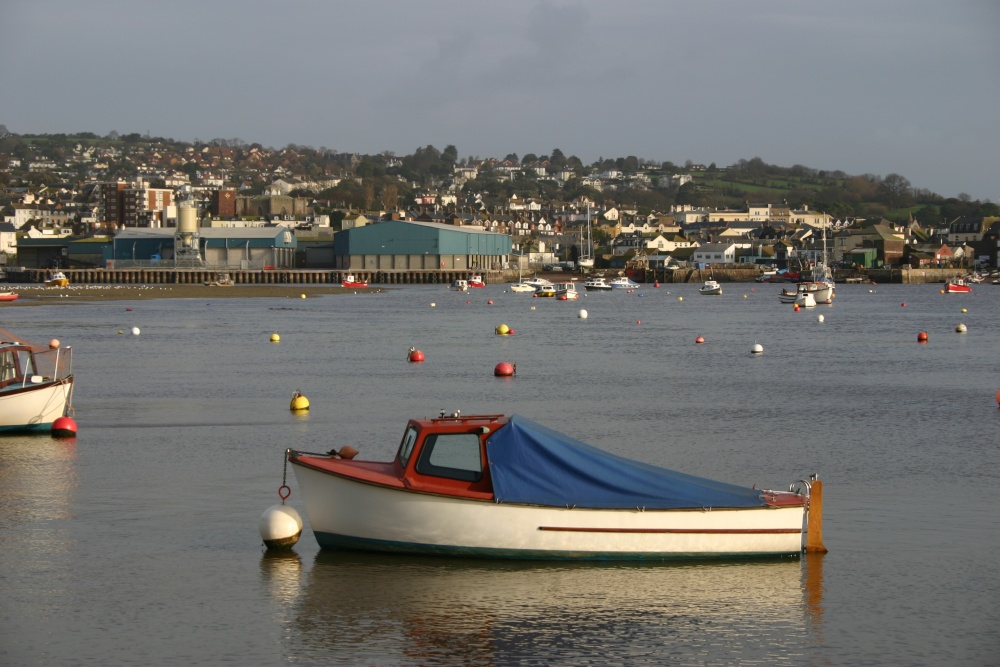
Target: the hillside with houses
(553, 207)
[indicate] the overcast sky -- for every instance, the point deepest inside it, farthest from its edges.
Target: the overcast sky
(865, 86)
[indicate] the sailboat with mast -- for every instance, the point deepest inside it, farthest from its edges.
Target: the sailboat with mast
(586, 260)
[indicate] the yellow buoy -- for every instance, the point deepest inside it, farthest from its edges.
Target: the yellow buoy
(303, 296)
(299, 402)
(275, 338)
(503, 330)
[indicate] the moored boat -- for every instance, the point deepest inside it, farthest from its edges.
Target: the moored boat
(57, 279)
(505, 487)
(36, 385)
(8, 296)
(623, 282)
(548, 290)
(521, 287)
(597, 284)
(710, 288)
(821, 292)
(566, 291)
(460, 285)
(350, 281)
(476, 280)
(957, 286)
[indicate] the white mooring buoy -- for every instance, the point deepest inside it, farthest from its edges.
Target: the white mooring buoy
(757, 349)
(280, 527)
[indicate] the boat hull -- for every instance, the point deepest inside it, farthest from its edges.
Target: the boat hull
(350, 514)
(35, 406)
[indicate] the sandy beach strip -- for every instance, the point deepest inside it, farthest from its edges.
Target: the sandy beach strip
(39, 295)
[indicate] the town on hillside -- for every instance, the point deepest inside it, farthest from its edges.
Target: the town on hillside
(82, 201)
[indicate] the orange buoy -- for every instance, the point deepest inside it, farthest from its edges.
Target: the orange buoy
(490, 302)
(998, 398)
(415, 355)
(902, 305)
(699, 340)
(656, 284)
(922, 337)
(638, 321)
(64, 427)
(54, 344)
(796, 308)
(504, 369)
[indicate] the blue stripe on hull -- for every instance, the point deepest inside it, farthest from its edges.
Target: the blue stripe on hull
(334, 541)
(27, 428)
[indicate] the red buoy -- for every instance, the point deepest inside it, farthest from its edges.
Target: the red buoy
(504, 369)
(922, 337)
(902, 305)
(699, 340)
(490, 302)
(656, 284)
(415, 355)
(64, 427)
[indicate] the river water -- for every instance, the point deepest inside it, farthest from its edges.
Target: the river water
(137, 541)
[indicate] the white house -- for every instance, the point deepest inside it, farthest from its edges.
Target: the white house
(715, 253)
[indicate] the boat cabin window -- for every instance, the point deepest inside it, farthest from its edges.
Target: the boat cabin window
(8, 367)
(451, 455)
(406, 447)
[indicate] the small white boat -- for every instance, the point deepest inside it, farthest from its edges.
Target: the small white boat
(460, 285)
(624, 282)
(36, 385)
(805, 300)
(493, 486)
(522, 287)
(537, 282)
(566, 291)
(597, 285)
(710, 288)
(821, 292)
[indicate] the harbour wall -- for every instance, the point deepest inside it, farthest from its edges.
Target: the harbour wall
(148, 276)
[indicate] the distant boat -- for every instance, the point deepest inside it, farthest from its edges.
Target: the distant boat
(35, 386)
(821, 292)
(57, 279)
(546, 290)
(350, 281)
(624, 282)
(566, 291)
(493, 486)
(710, 288)
(597, 285)
(521, 287)
(476, 280)
(8, 296)
(221, 280)
(958, 286)
(460, 285)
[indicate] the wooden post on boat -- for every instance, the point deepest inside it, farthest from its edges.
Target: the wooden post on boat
(814, 526)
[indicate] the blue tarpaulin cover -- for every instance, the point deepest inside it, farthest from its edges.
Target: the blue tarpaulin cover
(535, 465)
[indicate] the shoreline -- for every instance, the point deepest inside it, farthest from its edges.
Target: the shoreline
(38, 295)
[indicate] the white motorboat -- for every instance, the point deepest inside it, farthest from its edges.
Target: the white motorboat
(566, 291)
(821, 292)
(493, 486)
(597, 285)
(710, 288)
(36, 385)
(460, 285)
(521, 287)
(623, 282)
(805, 300)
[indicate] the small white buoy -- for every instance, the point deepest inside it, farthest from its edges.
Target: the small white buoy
(960, 328)
(757, 349)
(280, 527)
(135, 331)
(820, 318)
(433, 305)
(583, 313)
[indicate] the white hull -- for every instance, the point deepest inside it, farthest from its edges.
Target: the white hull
(350, 514)
(35, 406)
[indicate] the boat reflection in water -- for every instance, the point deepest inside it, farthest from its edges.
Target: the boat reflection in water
(390, 609)
(37, 479)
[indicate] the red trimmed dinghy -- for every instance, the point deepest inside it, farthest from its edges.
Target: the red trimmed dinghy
(497, 487)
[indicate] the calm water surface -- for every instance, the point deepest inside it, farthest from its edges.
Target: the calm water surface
(137, 543)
